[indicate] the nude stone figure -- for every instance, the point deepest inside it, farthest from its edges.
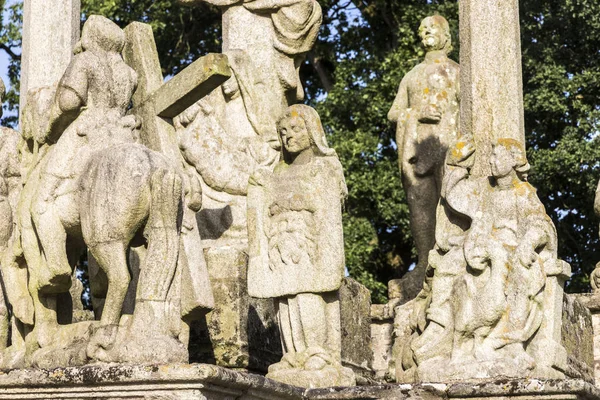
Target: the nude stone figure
(297, 250)
(426, 110)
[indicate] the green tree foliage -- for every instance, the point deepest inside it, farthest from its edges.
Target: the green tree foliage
(364, 50)
(10, 43)
(561, 74)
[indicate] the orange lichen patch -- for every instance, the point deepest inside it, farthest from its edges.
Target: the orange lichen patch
(294, 113)
(426, 90)
(509, 142)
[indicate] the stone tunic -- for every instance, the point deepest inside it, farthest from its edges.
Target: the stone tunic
(295, 231)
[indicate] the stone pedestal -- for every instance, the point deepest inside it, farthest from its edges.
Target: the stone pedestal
(382, 337)
(241, 332)
(209, 382)
(592, 303)
(355, 304)
(498, 389)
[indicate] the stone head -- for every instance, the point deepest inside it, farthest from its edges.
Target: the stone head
(100, 33)
(509, 155)
(300, 130)
(435, 34)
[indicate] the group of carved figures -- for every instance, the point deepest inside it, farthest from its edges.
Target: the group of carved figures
(485, 297)
(80, 177)
(487, 288)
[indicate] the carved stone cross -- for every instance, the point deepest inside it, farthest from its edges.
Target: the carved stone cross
(492, 108)
(491, 75)
(157, 103)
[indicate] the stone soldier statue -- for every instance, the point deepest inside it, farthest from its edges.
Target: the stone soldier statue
(426, 110)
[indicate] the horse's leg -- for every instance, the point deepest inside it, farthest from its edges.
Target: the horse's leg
(111, 257)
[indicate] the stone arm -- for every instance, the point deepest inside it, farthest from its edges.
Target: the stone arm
(398, 115)
(218, 3)
(272, 5)
(597, 201)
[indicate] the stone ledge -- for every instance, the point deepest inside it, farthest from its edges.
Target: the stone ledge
(172, 382)
(500, 389)
(201, 381)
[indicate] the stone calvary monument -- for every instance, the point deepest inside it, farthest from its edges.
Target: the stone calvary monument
(210, 209)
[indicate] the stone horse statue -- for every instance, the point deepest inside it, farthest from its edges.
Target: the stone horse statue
(94, 186)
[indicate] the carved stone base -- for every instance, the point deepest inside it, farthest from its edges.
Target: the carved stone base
(326, 377)
(202, 382)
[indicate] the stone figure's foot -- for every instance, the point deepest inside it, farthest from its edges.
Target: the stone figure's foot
(288, 361)
(130, 347)
(68, 349)
(433, 343)
(102, 340)
(13, 358)
(312, 368)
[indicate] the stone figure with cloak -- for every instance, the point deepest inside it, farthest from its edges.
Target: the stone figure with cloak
(297, 250)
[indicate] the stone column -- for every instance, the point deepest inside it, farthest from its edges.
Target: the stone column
(491, 77)
(50, 32)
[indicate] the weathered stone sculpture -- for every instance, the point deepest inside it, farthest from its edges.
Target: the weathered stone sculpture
(297, 250)
(94, 186)
(491, 292)
(14, 274)
(226, 137)
(426, 111)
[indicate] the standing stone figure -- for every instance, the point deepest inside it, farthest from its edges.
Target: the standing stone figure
(497, 308)
(595, 275)
(297, 250)
(227, 136)
(426, 110)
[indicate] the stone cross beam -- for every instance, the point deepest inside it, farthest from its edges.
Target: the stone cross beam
(157, 103)
(50, 32)
(491, 78)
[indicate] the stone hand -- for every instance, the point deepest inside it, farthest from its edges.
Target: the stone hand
(526, 255)
(430, 115)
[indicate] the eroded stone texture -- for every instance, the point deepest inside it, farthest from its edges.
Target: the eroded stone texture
(426, 110)
(355, 322)
(50, 31)
(297, 251)
(241, 331)
(578, 337)
(90, 183)
(492, 302)
(232, 133)
(208, 382)
(592, 303)
(499, 315)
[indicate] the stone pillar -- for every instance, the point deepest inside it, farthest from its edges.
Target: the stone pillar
(491, 78)
(50, 32)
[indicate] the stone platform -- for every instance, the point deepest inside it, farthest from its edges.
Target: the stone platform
(201, 381)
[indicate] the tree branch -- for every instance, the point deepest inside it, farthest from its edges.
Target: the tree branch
(9, 51)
